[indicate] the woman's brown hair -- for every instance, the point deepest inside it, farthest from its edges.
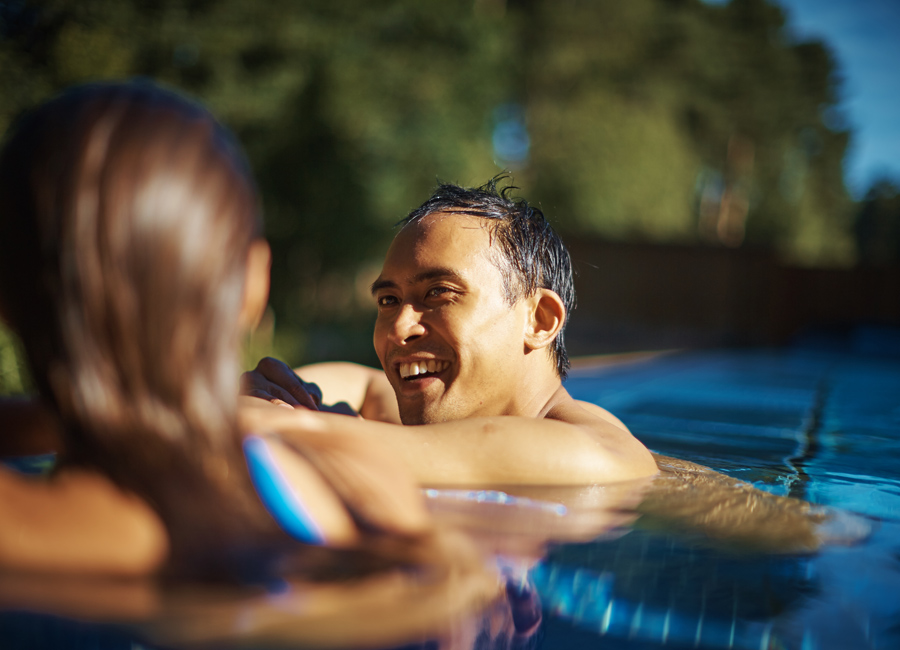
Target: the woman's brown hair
(126, 217)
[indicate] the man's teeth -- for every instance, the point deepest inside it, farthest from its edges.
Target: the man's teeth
(408, 370)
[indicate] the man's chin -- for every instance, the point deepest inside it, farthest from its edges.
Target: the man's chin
(414, 409)
(414, 416)
(411, 419)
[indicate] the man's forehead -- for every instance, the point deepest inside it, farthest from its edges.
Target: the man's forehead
(449, 228)
(445, 243)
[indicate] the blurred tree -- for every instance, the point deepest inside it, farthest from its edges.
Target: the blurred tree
(659, 120)
(14, 377)
(877, 226)
(649, 116)
(349, 112)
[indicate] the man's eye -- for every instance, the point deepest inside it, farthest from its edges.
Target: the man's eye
(386, 301)
(437, 292)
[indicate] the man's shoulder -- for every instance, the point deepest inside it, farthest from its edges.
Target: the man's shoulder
(565, 408)
(607, 430)
(602, 413)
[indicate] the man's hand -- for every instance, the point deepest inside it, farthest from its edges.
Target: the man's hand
(274, 381)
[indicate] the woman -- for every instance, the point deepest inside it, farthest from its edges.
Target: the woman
(131, 260)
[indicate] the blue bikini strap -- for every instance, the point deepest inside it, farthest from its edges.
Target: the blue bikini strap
(278, 496)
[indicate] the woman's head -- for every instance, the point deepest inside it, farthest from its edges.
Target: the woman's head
(127, 214)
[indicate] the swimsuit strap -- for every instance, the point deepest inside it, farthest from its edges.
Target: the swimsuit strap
(278, 496)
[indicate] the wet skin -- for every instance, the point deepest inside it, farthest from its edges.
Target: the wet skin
(474, 369)
(441, 307)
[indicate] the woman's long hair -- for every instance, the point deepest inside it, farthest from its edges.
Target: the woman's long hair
(126, 216)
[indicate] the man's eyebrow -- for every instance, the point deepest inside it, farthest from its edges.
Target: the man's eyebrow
(429, 274)
(380, 284)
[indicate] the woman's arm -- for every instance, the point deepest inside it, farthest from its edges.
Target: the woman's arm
(77, 522)
(369, 481)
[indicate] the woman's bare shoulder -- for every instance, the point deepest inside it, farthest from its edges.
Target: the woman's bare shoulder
(77, 522)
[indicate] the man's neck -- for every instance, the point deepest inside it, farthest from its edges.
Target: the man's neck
(558, 397)
(540, 391)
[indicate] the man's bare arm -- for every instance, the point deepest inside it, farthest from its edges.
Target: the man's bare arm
(321, 386)
(367, 390)
(499, 450)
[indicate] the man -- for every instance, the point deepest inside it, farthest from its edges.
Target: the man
(472, 304)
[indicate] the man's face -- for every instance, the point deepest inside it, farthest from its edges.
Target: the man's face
(449, 343)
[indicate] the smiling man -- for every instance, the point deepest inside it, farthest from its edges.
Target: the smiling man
(472, 304)
(458, 333)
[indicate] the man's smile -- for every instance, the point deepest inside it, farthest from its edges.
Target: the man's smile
(421, 369)
(446, 335)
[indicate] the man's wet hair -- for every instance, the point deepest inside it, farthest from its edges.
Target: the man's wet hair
(531, 255)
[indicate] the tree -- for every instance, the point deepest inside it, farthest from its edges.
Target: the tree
(652, 115)
(651, 120)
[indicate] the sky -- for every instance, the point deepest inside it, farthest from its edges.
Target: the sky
(864, 36)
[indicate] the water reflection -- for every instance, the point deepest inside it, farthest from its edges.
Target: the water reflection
(691, 555)
(713, 562)
(383, 608)
(465, 586)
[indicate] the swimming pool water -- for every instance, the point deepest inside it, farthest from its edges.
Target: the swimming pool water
(818, 425)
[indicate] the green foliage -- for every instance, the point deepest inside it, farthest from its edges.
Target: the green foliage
(14, 377)
(658, 120)
(636, 102)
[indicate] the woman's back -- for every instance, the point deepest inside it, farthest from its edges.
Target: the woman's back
(127, 216)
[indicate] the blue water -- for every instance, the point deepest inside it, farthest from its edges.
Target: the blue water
(821, 424)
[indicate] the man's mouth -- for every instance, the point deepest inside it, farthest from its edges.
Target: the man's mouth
(420, 369)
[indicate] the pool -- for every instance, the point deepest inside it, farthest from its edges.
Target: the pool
(685, 562)
(822, 425)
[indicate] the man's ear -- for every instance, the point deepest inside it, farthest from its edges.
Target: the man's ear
(547, 315)
(256, 284)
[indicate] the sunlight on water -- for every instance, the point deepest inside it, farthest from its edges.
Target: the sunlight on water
(803, 555)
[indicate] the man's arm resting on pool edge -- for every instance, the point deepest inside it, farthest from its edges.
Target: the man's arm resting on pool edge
(366, 390)
(483, 451)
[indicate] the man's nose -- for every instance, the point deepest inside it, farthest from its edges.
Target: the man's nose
(407, 325)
